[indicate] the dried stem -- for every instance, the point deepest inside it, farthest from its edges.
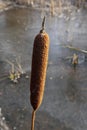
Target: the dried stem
(43, 25)
(12, 70)
(19, 66)
(33, 120)
(77, 49)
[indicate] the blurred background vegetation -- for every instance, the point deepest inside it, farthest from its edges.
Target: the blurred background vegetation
(78, 3)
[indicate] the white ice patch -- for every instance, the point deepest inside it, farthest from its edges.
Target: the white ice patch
(3, 125)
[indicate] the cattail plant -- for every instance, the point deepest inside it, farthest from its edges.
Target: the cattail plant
(38, 70)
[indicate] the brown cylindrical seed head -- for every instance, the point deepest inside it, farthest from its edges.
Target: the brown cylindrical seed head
(38, 70)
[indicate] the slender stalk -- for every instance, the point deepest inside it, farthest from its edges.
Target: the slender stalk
(43, 25)
(33, 120)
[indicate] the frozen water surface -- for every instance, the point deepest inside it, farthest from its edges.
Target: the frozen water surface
(64, 105)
